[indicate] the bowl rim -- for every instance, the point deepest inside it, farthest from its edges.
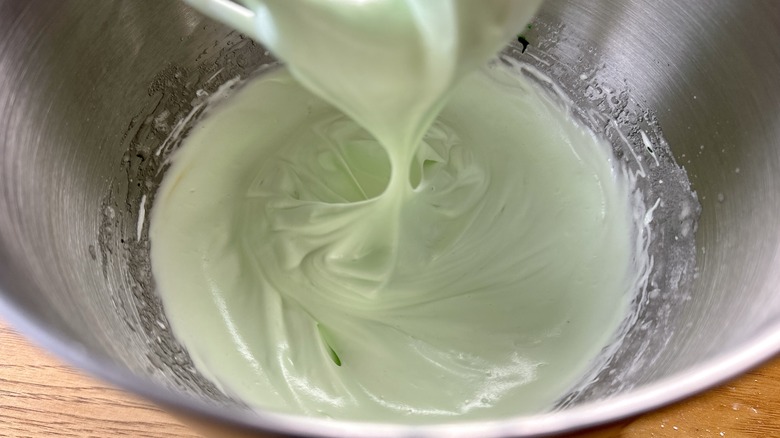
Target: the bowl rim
(680, 385)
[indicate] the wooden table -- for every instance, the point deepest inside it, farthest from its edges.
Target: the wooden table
(41, 397)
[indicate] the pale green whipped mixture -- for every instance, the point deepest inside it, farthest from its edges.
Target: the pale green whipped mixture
(379, 233)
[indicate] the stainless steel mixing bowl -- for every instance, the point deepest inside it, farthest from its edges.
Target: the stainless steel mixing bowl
(92, 95)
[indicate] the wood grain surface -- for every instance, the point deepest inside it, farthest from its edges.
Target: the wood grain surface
(41, 397)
